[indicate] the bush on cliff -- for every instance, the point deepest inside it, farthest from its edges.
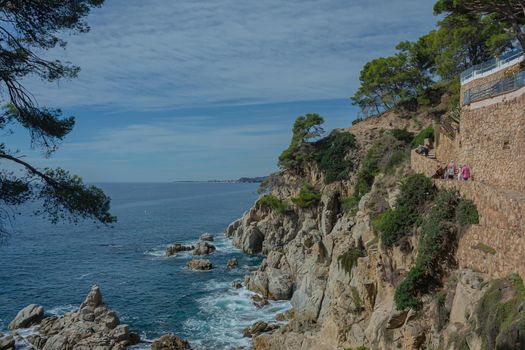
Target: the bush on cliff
(393, 224)
(467, 213)
(403, 135)
(331, 155)
(437, 244)
(427, 133)
(308, 197)
(269, 201)
(348, 260)
(501, 314)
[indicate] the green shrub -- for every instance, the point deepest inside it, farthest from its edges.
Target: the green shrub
(349, 205)
(442, 314)
(397, 158)
(349, 259)
(308, 197)
(501, 314)
(403, 135)
(393, 224)
(416, 190)
(427, 133)
(485, 248)
(331, 152)
(466, 213)
(437, 243)
(269, 201)
(358, 302)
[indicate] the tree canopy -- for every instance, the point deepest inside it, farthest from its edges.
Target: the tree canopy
(509, 13)
(305, 128)
(28, 29)
(420, 70)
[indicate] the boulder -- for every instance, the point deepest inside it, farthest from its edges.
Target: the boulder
(7, 343)
(208, 237)
(28, 316)
(176, 248)
(170, 342)
(258, 328)
(203, 248)
(232, 263)
(199, 264)
(236, 284)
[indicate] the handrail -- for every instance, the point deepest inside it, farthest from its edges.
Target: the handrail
(448, 127)
(492, 64)
(502, 86)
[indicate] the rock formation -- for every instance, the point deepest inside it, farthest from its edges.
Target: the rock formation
(232, 263)
(93, 326)
(203, 248)
(170, 342)
(208, 237)
(176, 248)
(199, 264)
(340, 303)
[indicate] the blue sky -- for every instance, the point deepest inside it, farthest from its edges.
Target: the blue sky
(197, 90)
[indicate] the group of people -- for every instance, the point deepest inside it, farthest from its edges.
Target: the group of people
(462, 173)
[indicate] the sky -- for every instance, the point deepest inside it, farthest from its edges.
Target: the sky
(203, 89)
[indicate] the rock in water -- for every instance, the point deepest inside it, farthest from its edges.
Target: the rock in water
(232, 263)
(176, 248)
(203, 248)
(28, 316)
(7, 343)
(93, 326)
(208, 237)
(170, 342)
(199, 264)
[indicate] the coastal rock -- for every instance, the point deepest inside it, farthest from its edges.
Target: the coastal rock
(199, 264)
(170, 342)
(232, 263)
(7, 343)
(236, 284)
(28, 316)
(258, 328)
(36, 340)
(176, 248)
(208, 237)
(92, 326)
(203, 248)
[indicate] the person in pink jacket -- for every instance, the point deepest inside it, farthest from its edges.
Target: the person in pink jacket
(465, 172)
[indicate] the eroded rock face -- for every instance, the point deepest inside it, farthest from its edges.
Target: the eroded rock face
(170, 342)
(203, 248)
(199, 264)
(7, 343)
(28, 316)
(177, 248)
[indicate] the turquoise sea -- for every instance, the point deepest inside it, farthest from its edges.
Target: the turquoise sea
(55, 265)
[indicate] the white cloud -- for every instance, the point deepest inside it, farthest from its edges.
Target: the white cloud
(167, 54)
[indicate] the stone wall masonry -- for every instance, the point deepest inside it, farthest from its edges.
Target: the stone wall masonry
(492, 143)
(446, 148)
(497, 245)
(492, 251)
(423, 165)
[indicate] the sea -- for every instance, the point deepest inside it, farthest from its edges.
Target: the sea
(55, 265)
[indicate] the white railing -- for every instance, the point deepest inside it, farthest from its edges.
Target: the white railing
(481, 70)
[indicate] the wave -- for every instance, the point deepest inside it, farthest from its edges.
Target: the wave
(223, 315)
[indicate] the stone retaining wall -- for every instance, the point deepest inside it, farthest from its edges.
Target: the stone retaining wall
(423, 165)
(493, 143)
(493, 251)
(497, 245)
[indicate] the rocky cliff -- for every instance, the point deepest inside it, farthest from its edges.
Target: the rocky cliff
(328, 259)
